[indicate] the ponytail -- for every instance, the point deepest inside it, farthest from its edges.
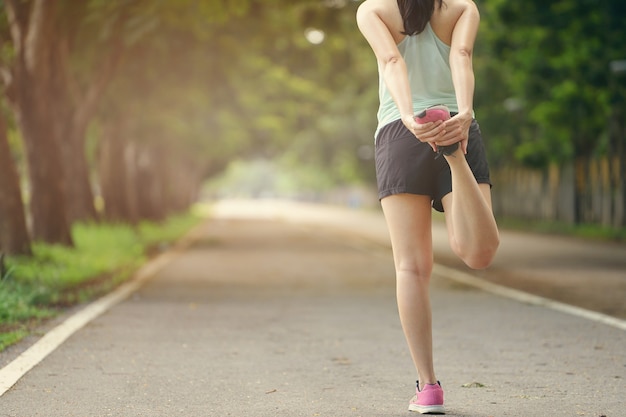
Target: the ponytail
(416, 14)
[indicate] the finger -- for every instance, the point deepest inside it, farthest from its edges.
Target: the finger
(430, 135)
(435, 136)
(448, 139)
(430, 126)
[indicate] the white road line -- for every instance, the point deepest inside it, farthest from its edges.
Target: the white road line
(12, 372)
(15, 370)
(312, 214)
(28, 359)
(524, 297)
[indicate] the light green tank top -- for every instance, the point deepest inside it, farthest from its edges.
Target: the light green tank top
(428, 63)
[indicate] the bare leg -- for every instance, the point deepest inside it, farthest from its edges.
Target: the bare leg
(409, 221)
(472, 228)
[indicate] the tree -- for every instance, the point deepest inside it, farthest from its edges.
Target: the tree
(152, 147)
(178, 89)
(29, 88)
(81, 80)
(553, 61)
(14, 238)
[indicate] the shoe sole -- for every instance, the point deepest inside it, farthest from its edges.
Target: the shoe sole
(427, 409)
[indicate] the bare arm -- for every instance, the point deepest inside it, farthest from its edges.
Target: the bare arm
(390, 62)
(461, 50)
(371, 20)
(463, 38)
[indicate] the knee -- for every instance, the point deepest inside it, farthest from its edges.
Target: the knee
(418, 272)
(482, 257)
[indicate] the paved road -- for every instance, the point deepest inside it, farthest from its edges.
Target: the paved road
(587, 274)
(275, 312)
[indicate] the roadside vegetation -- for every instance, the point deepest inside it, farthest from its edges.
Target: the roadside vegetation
(583, 231)
(120, 111)
(57, 277)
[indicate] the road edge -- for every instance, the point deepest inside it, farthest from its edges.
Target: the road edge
(11, 373)
(524, 297)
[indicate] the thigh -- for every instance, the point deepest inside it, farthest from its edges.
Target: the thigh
(404, 165)
(485, 190)
(408, 219)
(476, 159)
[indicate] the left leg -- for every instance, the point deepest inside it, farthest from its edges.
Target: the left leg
(408, 218)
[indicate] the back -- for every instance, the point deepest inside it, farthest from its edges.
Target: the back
(430, 78)
(442, 21)
(432, 67)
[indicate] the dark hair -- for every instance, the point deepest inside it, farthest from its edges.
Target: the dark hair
(416, 14)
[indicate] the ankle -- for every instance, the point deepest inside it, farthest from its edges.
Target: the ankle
(421, 385)
(448, 151)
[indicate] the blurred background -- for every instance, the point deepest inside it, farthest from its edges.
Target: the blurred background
(128, 110)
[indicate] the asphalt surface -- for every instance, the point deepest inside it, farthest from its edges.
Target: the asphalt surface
(289, 310)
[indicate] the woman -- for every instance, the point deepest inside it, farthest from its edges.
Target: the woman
(424, 53)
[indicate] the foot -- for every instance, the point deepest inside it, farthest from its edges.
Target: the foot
(429, 400)
(447, 150)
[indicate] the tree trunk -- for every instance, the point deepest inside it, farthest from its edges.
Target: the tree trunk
(33, 27)
(115, 171)
(14, 238)
(43, 51)
(184, 184)
(77, 177)
(149, 186)
(80, 199)
(47, 202)
(75, 113)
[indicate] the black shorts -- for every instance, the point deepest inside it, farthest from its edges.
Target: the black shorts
(406, 165)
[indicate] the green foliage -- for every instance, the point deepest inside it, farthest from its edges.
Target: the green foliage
(252, 86)
(553, 59)
(151, 234)
(583, 231)
(98, 249)
(19, 302)
(9, 338)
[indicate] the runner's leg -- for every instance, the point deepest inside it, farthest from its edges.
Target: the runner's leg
(472, 228)
(408, 218)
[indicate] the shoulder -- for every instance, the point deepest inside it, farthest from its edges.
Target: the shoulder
(458, 7)
(372, 12)
(444, 20)
(373, 6)
(385, 10)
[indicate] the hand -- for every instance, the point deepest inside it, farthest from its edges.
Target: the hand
(430, 133)
(456, 130)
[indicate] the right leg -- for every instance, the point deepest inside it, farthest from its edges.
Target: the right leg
(472, 228)
(408, 218)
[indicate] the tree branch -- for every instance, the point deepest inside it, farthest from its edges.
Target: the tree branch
(87, 106)
(17, 14)
(39, 35)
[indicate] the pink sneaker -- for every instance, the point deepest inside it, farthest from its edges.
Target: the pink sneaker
(429, 400)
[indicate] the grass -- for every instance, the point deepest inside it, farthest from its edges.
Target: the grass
(56, 277)
(9, 338)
